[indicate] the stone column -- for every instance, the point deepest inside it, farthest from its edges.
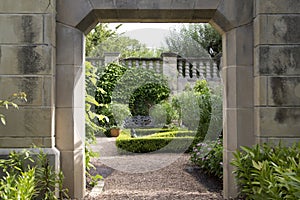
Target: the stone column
(237, 73)
(277, 71)
(70, 112)
(170, 70)
(27, 63)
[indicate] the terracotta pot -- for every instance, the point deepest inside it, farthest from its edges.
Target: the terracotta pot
(115, 132)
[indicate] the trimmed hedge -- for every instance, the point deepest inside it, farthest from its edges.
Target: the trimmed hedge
(150, 144)
(147, 131)
(174, 134)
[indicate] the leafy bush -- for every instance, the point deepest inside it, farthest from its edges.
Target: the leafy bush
(163, 113)
(10, 102)
(120, 112)
(209, 157)
(146, 131)
(30, 177)
(150, 143)
(268, 171)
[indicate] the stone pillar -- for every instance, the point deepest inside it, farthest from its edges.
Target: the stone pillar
(238, 102)
(27, 63)
(277, 71)
(170, 70)
(70, 112)
(111, 57)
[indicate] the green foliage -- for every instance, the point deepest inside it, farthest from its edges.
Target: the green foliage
(11, 102)
(146, 131)
(163, 113)
(206, 36)
(149, 144)
(180, 41)
(146, 96)
(91, 117)
(120, 112)
(108, 81)
(139, 88)
(30, 177)
(208, 156)
(268, 171)
(98, 35)
(126, 46)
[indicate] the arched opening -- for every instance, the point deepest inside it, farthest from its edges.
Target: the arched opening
(76, 18)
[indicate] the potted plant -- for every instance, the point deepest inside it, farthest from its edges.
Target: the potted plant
(115, 131)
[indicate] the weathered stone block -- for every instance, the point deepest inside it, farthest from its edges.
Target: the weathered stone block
(28, 6)
(284, 91)
(49, 91)
(230, 186)
(276, 141)
(238, 130)
(73, 168)
(70, 43)
(49, 29)
(239, 43)
(26, 60)
(70, 126)
(72, 12)
(21, 29)
(277, 60)
(27, 122)
(277, 6)
(32, 86)
(70, 86)
(238, 88)
(260, 90)
(277, 29)
(21, 142)
(233, 13)
(277, 122)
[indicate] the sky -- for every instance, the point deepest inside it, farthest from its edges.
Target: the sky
(134, 26)
(151, 34)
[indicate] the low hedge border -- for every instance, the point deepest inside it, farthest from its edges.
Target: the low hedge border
(146, 132)
(151, 144)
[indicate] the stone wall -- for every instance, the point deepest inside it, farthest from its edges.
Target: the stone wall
(42, 46)
(277, 70)
(27, 57)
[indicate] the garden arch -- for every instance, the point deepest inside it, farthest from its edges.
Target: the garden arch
(42, 54)
(234, 19)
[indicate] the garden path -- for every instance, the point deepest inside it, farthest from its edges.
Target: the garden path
(176, 178)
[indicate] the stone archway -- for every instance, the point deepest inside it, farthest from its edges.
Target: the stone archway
(42, 54)
(234, 19)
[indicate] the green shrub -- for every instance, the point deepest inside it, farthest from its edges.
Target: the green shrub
(162, 143)
(150, 144)
(179, 133)
(163, 113)
(147, 131)
(120, 112)
(268, 171)
(141, 89)
(29, 176)
(209, 157)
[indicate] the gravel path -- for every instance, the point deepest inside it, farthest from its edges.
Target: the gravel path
(178, 179)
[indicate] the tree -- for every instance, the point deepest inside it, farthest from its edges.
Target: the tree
(126, 46)
(181, 42)
(198, 40)
(98, 35)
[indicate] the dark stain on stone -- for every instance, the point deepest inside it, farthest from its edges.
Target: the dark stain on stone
(28, 32)
(287, 115)
(29, 86)
(292, 28)
(278, 86)
(29, 61)
(281, 63)
(0, 54)
(264, 56)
